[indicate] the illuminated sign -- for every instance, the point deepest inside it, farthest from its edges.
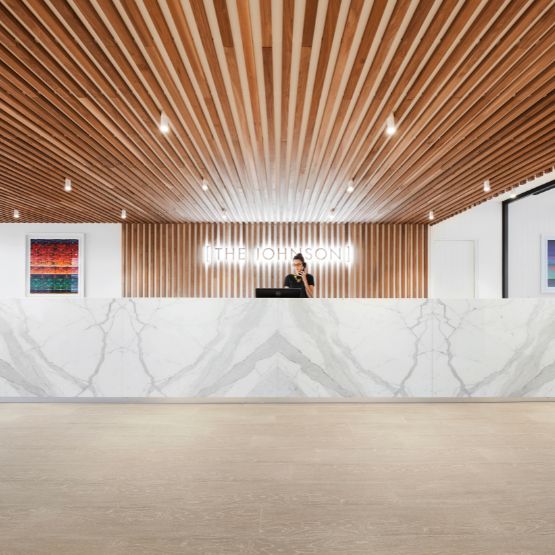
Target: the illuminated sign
(268, 253)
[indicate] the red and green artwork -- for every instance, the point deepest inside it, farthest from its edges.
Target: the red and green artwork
(54, 266)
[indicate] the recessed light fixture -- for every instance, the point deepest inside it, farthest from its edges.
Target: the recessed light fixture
(332, 214)
(204, 185)
(351, 186)
(123, 214)
(164, 123)
(513, 195)
(390, 125)
(431, 215)
(487, 186)
(224, 214)
(16, 214)
(67, 185)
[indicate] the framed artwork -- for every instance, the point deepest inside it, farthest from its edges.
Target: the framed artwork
(548, 264)
(55, 264)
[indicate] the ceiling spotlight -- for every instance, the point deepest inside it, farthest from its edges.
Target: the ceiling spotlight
(164, 123)
(431, 215)
(513, 195)
(224, 214)
(67, 185)
(390, 125)
(351, 186)
(332, 213)
(487, 186)
(16, 214)
(204, 185)
(123, 214)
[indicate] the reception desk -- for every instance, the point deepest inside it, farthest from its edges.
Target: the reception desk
(276, 348)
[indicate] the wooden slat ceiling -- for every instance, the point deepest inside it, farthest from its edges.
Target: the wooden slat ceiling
(276, 103)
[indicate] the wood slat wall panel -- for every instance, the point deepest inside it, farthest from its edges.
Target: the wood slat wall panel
(166, 260)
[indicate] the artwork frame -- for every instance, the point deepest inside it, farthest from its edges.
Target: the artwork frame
(59, 248)
(548, 264)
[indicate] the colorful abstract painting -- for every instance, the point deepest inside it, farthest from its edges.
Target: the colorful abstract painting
(54, 266)
(550, 246)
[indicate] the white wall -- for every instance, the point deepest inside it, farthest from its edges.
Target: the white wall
(482, 225)
(102, 257)
(529, 218)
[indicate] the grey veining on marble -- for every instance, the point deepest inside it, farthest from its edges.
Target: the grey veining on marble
(497, 348)
(297, 348)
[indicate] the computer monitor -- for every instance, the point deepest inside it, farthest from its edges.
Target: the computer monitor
(279, 292)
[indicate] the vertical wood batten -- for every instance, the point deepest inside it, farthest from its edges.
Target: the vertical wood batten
(389, 260)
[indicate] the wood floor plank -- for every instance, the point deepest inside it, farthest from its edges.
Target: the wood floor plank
(395, 479)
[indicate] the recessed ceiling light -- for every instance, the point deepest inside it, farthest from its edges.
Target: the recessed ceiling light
(16, 214)
(513, 195)
(332, 213)
(431, 215)
(487, 186)
(204, 185)
(164, 123)
(351, 186)
(67, 185)
(224, 214)
(390, 125)
(123, 214)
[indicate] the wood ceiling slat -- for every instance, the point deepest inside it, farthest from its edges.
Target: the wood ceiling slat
(177, 103)
(255, 42)
(364, 57)
(230, 89)
(399, 19)
(36, 154)
(538, 154)
(32, 180)
(181, 77)
(276, 17)
(470, 117)
(330, 50)
(221, 116)
(349, 49)
(457, 23)
(544, 162)
(246, 98)
(446, 145)
(305, 101)
(151, 109)
(425, 177)
(429, 103)
(310, 24)
(75, 60)
(387, 21)
(67, 136)
(293, 90)
(277, 103)
(483, 145)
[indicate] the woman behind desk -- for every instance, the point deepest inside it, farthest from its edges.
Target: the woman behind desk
(300, 279)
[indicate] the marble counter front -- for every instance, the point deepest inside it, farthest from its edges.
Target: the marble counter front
(276, 348)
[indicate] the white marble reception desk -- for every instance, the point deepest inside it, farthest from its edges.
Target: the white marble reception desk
(270, 348)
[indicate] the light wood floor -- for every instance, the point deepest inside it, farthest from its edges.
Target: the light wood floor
(277, 479)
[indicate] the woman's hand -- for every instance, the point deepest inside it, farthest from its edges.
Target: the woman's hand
(303, 277)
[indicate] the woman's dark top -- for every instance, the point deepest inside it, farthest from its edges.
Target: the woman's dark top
(290, 281)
